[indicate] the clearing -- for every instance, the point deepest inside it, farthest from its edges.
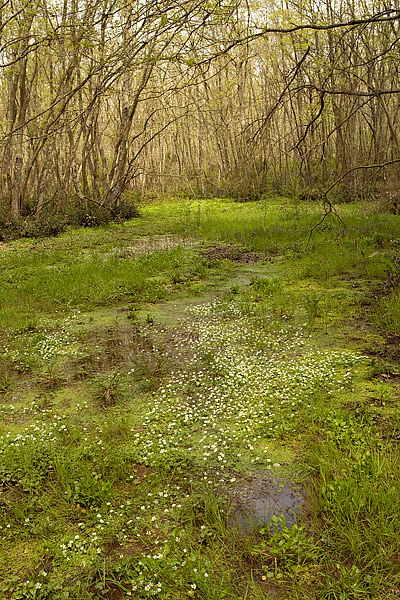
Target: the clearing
(171, 383)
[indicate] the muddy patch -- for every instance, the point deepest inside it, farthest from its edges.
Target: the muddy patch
(234, 254)
(259, 497)
(147, 352)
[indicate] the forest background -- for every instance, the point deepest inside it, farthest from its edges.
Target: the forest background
(226, 98)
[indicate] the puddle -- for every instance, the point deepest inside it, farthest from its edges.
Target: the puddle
(259, 497)
(151, 244)
(234, 254)
(149, 351)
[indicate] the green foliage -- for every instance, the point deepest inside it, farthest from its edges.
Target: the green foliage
(357, 486)
(46, 282)
(289, 548)
(26, 458)
(49, 223)
(121, 478)
(5, 383)
(44, 226)
(110, 389)
(349, 583)
(92, 214)
(387, 313)
(149, 368)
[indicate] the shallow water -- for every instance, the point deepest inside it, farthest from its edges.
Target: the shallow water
(259, 497)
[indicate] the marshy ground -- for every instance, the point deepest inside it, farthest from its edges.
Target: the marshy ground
(154, 375)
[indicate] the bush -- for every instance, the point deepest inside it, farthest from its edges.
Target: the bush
(92, 215)
(50, 223)
(12, 229)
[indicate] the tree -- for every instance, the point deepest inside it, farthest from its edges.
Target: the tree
(217, 96)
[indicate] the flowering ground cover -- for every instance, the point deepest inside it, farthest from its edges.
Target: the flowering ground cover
(157, 374)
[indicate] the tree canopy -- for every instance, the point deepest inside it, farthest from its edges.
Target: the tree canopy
(207, 97)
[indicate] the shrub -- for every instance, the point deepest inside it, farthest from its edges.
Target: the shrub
(92, 215)
(50, 223)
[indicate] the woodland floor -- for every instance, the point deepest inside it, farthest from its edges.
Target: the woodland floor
(161, 380)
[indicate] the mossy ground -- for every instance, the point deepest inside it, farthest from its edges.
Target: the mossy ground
(146, 367)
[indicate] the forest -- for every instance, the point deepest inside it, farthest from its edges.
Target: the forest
(225, 98)
(199, 300)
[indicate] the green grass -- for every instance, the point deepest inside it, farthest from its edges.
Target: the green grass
(387, 313)
(142, 378)
(43, 283)
(356, 471)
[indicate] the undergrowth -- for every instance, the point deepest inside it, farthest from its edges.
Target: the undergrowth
(144, 375)
(52, 223)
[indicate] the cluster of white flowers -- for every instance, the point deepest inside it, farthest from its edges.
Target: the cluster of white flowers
(241, 386)
(38, 432)
(236, 386)
(45, 345)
